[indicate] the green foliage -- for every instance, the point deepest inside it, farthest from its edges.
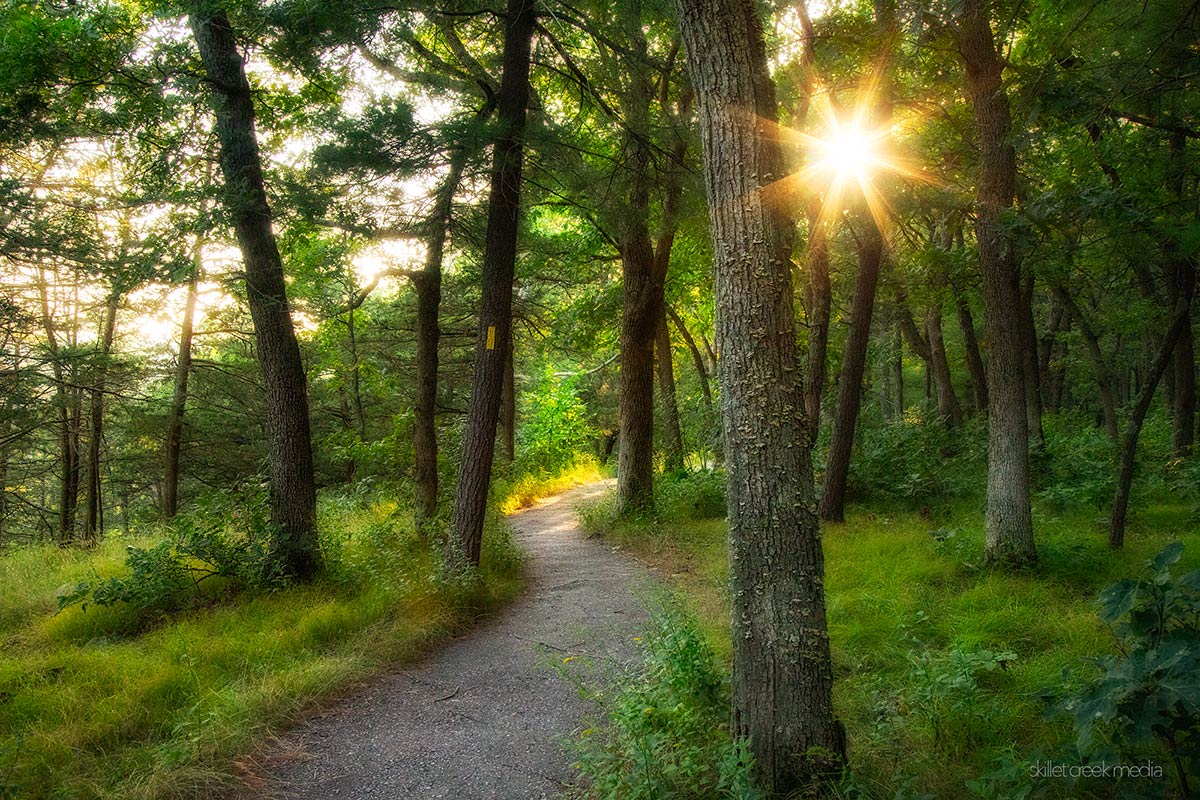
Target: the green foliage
(1150, 691)
(663, 734)
(555, 426)
(226, 535)
(917, 461)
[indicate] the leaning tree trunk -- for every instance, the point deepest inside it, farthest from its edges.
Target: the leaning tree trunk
(1180, 319)
(1008, 520)
(939, 365)
(294, 547)
(966, 323)
(183, 371)
(499, 263)
(93, 519)
(668, 405)
(782, 679)
(1104, 380)
(850, 381)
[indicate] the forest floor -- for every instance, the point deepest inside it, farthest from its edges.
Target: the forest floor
(492, 714)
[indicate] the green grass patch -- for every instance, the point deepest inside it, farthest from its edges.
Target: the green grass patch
(102, 701)
(940, 663)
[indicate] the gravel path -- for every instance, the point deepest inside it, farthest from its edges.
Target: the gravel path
(486, 716)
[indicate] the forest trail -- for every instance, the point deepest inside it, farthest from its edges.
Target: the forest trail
(486, 716)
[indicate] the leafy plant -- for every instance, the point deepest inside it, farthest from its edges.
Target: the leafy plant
(664, 733)
(1150, 692)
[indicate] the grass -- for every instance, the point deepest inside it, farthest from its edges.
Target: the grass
(919, 629)
(96, 702)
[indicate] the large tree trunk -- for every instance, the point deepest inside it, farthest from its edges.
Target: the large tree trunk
(294, 547)
(642, 287)
(1008, 520)
(499, 263)
(850, 381)
(183, 371)
(1180, 320)
(668, 406)
(93, 525)
(782, 679)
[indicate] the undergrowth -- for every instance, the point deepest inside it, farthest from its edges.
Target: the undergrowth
(157, 680)
(943, 667)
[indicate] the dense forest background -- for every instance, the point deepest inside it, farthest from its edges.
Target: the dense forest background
(447, 288)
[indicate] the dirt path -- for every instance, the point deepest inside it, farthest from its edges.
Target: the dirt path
(484, 717)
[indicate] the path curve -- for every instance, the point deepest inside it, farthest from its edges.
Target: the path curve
(484, 717)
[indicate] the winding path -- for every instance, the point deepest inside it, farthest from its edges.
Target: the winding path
(486, 716)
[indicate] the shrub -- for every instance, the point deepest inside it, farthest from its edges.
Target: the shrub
(664, 733)
(226, 535)
(1149, 693)
(916, 461)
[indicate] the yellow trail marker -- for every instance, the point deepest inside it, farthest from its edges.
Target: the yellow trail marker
(491, 340)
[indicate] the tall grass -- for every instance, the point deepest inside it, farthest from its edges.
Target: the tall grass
(940, 663)
(90, 710)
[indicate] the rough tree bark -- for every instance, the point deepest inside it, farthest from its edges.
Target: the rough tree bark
(782, 679)
(294, 546)
(850, 381)
(508, 408)
(1008, 520)
(499, 263)
(183, 370)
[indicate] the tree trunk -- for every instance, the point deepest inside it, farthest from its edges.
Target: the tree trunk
(294, 547)
(668, 406)
(68, 433)
(975, 367)
(1180, 319)
(782, 679)
(642, 287)
(1181, 279)
(697, 358)
(939, 365)
(1104, 381)
(850, 381)
(93, 526)
(1008, 519)
(1029, 353)
(820, 300)
(508, 409)
(499, 263)
(183, 371)
(428, 286)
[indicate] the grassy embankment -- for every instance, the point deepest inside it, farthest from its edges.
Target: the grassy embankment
(112, 702)
(919, 628)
